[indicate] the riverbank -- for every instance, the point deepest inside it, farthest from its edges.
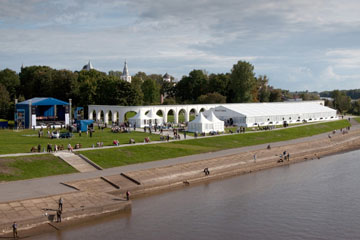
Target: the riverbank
(32, 214)
(103, 195)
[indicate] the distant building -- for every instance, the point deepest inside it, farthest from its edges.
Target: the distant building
(125, 75)
(88, 66)
(167, 78)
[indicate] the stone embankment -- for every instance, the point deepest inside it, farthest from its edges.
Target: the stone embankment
(35, 212)
(102, 195)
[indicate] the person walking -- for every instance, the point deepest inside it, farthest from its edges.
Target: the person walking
(14, 227)
(58, 215)
(255, 158)
(127, 195)
(60, 203)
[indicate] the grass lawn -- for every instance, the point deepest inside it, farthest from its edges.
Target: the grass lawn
(26, 167)
(128, 155)
(357, 119)
(23, 140)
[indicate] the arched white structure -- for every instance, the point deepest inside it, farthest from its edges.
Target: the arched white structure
(122, 110)
(252, 113)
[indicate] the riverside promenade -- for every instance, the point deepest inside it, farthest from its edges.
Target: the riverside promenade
(40, 187)
(31, 202)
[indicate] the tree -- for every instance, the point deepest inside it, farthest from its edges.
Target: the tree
(219, 83)
(355, 107)
(10, 80)
(136, 83)
(88, 84)
(211, 98)
(341, 102)
(65, 85)
(4, 102)
(167, 89)
(189, 88)
(123, 94)
(117, 74)
(169, 101)
(36, 81)
(157, 77)
(263, 93)
(151, 91)
(275, 95)
(242, 82)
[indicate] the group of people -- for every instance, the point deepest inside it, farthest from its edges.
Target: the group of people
(58, 217)
(49, 147)
(167, 138)
(285, 156)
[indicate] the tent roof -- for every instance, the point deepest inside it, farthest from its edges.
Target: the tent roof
(213, 118)
(153, 115)
(279, 108)
(140, 115)
(200, 119)
(44, 102)
(86, 121)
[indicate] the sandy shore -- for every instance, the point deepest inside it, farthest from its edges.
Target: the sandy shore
(99, 196)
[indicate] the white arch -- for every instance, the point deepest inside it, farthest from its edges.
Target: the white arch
(167, 113)
(98, 115)
(121, 110)
(185, 113)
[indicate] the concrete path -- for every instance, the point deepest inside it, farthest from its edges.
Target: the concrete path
(75, 161)
(40, 187)
(188, 137)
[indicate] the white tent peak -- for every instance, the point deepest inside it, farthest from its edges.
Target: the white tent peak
(200, 119)
(151, 114)
(213, 118)
(140, 115)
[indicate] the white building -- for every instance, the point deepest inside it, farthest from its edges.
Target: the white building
(241, 114)
(88, 66)
(166, 78)
(263, 114)
(125, 74)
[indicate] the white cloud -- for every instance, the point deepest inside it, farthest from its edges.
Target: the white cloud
(297, 43)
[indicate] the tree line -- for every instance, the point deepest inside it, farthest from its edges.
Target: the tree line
(95, 87)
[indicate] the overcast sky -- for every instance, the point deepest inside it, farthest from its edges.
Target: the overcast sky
(299, 44)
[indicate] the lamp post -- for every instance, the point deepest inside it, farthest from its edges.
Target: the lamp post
(70, 103)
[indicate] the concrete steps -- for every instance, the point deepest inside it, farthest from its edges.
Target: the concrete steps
(75, 161)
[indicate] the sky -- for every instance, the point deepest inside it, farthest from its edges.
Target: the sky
(298, 44)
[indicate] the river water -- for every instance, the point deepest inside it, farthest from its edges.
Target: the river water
(317, 199)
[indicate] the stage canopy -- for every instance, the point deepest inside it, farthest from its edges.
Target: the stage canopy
(35, 111)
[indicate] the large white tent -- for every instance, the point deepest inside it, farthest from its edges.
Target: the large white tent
(218, 125)
(200, 124)
(154, 118)
(262, 114)
(140, 120)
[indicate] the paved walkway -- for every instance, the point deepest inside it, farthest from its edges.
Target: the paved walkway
(41, 187)
(353, 122)
(75, 161)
